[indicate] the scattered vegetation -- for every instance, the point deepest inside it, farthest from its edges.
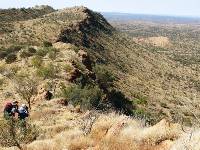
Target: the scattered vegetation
(105, 78)
(52, 53)
(37, 61)
(9, 54)
(47, 44)
(88, 97)
(43, 51)
(47, 71)
(26, 87)
(68, 68)
(14, 133)
(11, 58)
(28, 52)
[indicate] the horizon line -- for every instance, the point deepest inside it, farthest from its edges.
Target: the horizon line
(151, 14)
(116, 12)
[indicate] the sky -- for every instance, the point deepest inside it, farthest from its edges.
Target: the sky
(157, 7)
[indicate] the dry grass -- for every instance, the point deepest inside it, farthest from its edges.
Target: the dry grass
(190, 141)
(113, 131)
(117, 132)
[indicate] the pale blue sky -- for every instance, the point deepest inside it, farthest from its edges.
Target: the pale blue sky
(160, 7)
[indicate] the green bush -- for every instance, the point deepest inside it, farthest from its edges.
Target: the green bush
(14, 133)
(11, 58)
(25, 54)
(47, 44)
(42, 52)
(46, 50)
(37, 61)
(89, 97)
(142, 113)
(47, 71)
(32, 50)
(104, 77)
(28, 52)
(13, 49)
(4, 52)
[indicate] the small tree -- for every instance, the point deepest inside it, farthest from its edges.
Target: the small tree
(12, 133)
(89, 97)
(25, 87)
(48, 71)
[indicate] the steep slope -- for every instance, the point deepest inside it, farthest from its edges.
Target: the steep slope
(162, 87)
(157, 85)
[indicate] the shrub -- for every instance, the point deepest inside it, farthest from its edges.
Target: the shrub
(32, 50)
(25, 54)
(37, 61)
(25, 87)
(42, 52)
(46, 50)
(47, 44)
(13, 133)
(104, 77)
(47, 71)
(28, 52)
(4, 52)
(139, 99)
(13, 49)
(88, 97)
(11, 58)
(142, 113)
(67, 67)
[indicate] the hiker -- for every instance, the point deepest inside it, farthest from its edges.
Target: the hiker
(8, 110)
(23, 112)
(22, 115)
(14, 108)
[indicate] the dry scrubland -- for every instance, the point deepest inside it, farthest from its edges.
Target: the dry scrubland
(66, 128)
(95, 74)
(156, 85)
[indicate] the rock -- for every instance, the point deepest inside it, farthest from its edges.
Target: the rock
(74, 74)
(85, 59)
(116, 128)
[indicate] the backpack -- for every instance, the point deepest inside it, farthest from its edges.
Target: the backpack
(8, 105)
(8, 109)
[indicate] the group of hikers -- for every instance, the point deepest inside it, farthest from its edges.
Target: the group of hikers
(12, 110)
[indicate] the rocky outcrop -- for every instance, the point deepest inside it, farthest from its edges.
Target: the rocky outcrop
(42, 94)
(83, 32)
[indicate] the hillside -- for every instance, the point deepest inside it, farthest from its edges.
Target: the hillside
(87, 64)
(161, 84)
